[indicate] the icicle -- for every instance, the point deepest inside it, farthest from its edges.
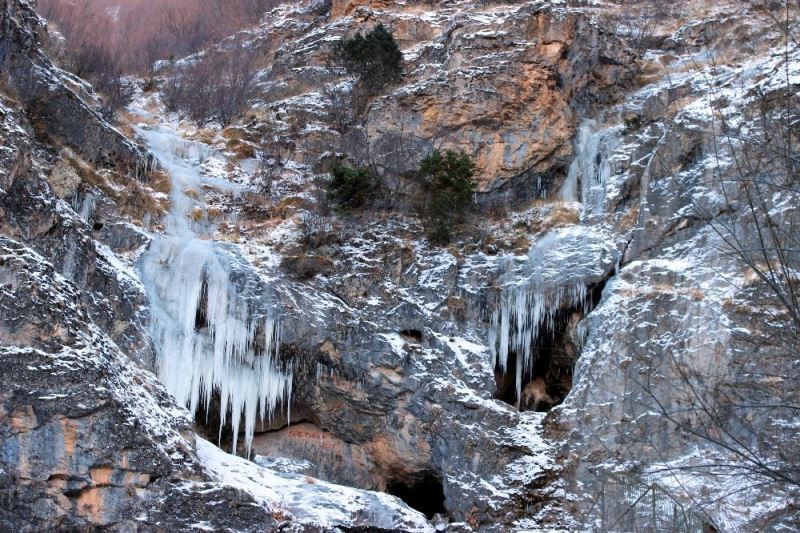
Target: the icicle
(197, 359)
(84, 205)
(525, 312)
(556, 276)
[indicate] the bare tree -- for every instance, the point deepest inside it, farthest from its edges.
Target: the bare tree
(137, 33)
(270, 164)
(216, 85)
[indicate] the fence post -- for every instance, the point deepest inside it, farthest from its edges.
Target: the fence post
(603, 483)
(653, 506)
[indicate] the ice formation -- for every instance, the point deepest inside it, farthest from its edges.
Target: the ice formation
(557, 274)
(592, 166)
(83, 204)
(212, 329)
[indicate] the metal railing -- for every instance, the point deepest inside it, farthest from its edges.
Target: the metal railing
(633, 504)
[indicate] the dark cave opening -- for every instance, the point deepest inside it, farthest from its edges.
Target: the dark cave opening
(548, 379)
(424, 493)
(201, 314)
(414, 335)
(505, 382)
(207, 422)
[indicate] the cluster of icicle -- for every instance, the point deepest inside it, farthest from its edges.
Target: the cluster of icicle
(222, 354)
(524, 313)
(83, 204)
(206, 327)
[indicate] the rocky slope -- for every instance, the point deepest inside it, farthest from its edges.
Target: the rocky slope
(90, 438)
(509, 381)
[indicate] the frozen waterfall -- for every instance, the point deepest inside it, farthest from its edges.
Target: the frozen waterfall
(562, 265)
(592, 167)
(213, 322)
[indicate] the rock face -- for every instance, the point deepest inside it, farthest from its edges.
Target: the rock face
(509, 381)
(89, 438)
(502, 83)
(50, 96)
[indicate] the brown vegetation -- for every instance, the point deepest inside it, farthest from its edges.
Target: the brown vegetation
(216, 85)
(132, 34)
(102, 40)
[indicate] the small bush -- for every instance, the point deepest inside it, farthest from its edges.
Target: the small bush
(306, 267)
(351, 187)
(449, 182)
(315, 231)
(375, 57)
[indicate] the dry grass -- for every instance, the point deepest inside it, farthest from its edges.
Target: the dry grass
(229, 232)
(290, 205)
(521, 244)
(205, 136)
(64, 180)
(87, 172)
(564, 215)
(241, 149)
(256, 208)
(628, 221)
(546, 216)
(160, 182)
(197, 214)
(234, 133)
(133, 199)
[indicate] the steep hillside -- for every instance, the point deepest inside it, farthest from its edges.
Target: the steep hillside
(608, 341)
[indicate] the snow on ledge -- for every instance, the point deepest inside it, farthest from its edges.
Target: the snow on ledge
(310, 500)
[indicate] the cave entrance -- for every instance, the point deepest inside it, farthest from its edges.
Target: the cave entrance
(548, 378)
(548, 382)
(424, 493)
(505, 382)
(207, 422)
(555, 356)
(414, 335)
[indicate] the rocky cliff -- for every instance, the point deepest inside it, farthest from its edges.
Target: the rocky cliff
(539, 373)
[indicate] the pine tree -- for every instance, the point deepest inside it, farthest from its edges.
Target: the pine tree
(350, 187)
(375, 57)
(449, 180)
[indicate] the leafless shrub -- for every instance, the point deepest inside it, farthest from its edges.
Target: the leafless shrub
(269, 167)
(341, 111)
(215, 85)
(315, 231)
